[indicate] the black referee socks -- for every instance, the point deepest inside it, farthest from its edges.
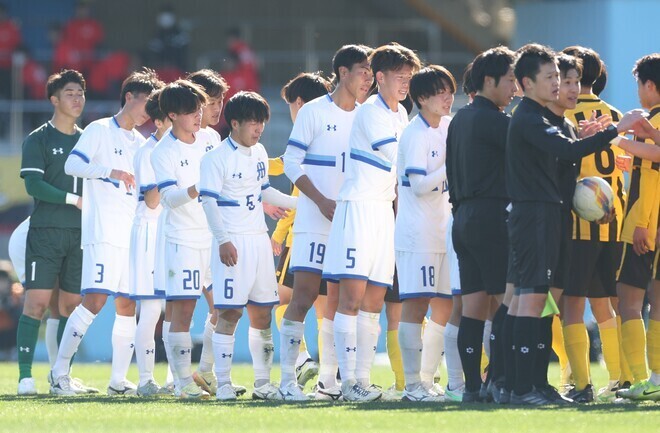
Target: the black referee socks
(526, 340)
(470, 338)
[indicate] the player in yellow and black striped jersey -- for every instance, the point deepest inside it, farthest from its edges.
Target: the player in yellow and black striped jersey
(596, 247)
(637, 265)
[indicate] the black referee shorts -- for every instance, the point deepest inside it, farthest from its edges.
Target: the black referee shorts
(392, 295)
(560, 277)
(285, 277)
(636, 271)
(534, 233)
(593, 269)
(481, 243)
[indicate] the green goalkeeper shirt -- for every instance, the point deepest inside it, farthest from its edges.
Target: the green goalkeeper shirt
(45, 151)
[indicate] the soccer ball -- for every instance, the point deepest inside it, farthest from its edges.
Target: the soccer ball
(593, 198)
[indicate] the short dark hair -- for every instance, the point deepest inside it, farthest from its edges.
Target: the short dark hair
(648, 68)
(56, 82)
(468, 84)
(393, 57)
(567, 62)
(153, 106)
(601, 81)
(143, 81)
(306, 86)
(247, 106)
(494, 62)
(530, 59)
(429, 81)
(214, 85)
(591, 63)
(349, 55)
(182, 97)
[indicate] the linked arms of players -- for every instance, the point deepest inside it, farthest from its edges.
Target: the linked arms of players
(293, 158)
(80, 166)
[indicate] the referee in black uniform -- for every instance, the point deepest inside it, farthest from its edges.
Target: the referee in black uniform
(475, 171)
(532, 150)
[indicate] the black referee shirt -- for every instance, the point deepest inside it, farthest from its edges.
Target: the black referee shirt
(532, 148)
(476, 143)
(568, 171)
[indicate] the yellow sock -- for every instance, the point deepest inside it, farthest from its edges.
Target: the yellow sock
(484, 359)
(576, 341)
(320, 337)
(279, 316)
(634, 346)
(558, 342)
(609, 339)
(626, 374)
(396, 361)
(653, 346)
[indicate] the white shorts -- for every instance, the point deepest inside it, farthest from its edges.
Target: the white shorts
(187, 271)
(452, 260)
(252, 280)
(16, 248)
(160, 269)
(361, 243)
(105, 269)
(143, 254)
(422, 275)
(308, 252)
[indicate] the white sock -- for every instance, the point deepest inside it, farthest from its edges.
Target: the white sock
(367, 340)
(145, 345)
(410, 342)
(345, 337)
(262, 350)
(328, 367)
(123, 344)
(488, 326)
(171, 373)
(454, 368)
(655, 379)
(434, 347)
(181, 346)
(206, 358)
(51, 340)
(291, 334)
(74, 332)
(223, 351)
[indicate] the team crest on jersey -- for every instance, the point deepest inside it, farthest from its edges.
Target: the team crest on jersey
(261, 170)
(58, 150)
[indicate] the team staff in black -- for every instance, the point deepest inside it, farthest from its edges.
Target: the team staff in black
(532, 148)
(475, 171)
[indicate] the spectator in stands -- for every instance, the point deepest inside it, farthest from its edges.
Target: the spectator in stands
(83, 33)
(10, 39)
(170, 45)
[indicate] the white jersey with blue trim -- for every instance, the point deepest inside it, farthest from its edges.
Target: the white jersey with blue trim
(371, 167)
(318, 145)
(177, 167)
(422, 215)
(234, 175)
(108, 208)
(145, 179)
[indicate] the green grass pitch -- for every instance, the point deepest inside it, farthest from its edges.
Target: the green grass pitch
(101, 413)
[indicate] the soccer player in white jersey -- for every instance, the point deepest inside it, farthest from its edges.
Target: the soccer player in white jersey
(234, 184)
(215, 87)
(143, 252)
(421, 230)
(315, 161)
(360, 250)
(103, 156)
(187, 244)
